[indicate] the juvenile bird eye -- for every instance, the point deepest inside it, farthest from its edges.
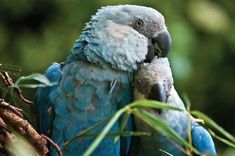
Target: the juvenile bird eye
(139, 23)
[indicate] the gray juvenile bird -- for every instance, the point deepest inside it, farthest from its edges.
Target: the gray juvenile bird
(154, 81)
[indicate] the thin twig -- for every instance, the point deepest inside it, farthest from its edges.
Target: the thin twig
(57, 148)
(9, 82)
(4, 138)
(16, 110)
(3, 79)
(3, 126)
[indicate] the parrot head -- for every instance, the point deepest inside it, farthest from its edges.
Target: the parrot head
(125, 35)
(154, 80)
(145, 20)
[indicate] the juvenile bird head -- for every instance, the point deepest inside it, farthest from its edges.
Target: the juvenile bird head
(154, 80)
(124, 35)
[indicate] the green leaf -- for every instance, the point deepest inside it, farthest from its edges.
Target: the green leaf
(188, 105)
(116, 116)
(213, 124)
(153, 104)
(225, 141)
(186, 100)
(122, 125)
(124, 121)
(31, 85)
(105, 131)
(165, 152)
(123, 133)
(43, 81)
(160, 126)
(84, 132)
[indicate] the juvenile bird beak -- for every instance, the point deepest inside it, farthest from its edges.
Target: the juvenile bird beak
(158, 93)
(164, 43)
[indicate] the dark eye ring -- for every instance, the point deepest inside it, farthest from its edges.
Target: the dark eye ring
(139, 23)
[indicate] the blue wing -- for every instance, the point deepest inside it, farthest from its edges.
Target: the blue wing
(202, 140)
(43, 103)
(86, 95)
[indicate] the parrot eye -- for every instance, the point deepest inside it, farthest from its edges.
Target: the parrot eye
(139, 23)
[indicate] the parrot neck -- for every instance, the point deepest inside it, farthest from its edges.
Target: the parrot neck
(106, 44)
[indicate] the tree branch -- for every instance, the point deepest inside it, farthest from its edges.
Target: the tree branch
(23, 127)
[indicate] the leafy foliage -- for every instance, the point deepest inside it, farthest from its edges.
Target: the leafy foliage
(137, 109)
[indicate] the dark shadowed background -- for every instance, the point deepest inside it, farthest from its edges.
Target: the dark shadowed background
(35, 33)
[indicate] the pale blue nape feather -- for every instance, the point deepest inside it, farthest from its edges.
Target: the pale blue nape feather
(111, 43)
(43, 104)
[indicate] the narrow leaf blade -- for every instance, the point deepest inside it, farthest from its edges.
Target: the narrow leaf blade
(160, 126)
(42, 79)
(153, 104)
(213, 124)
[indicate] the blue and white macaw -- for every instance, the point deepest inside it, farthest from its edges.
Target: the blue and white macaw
(154, 81)
(96, 78)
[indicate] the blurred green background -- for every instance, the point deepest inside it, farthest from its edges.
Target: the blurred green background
(35, 33)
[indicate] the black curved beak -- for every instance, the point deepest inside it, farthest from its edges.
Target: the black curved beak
(158, 93)
(151, 53)
(164, 43)
(163, 40)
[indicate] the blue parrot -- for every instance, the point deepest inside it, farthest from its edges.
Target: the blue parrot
(154, 81)
(96, 78)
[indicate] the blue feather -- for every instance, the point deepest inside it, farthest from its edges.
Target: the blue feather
(84, 98)
(202, 140)
(43, 105)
